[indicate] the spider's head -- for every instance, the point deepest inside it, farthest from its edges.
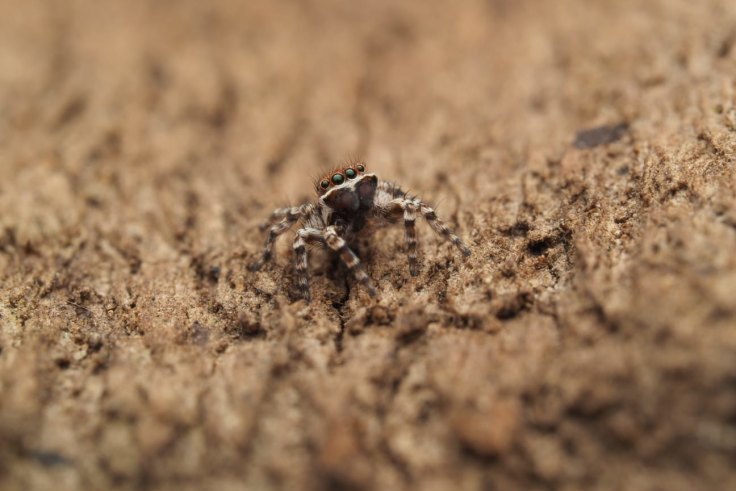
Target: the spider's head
(349, 189)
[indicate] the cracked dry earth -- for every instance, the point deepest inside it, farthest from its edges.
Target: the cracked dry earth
(584, 150)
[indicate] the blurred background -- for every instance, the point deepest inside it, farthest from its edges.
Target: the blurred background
(588, 343)
(106, 102)
(109, 102)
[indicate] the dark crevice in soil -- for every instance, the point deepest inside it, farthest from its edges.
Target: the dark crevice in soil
(514, 306)
(340, 307)
(538, 246)
(518, 229)
(600, 135)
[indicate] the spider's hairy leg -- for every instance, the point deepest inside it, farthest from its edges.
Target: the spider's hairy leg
(408, 208)
(274, 232)
(410, 232)
(303, 237)
(279, 214)
(338, 244)
(440, 227)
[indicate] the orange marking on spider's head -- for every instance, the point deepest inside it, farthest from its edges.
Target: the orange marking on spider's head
(338, 176)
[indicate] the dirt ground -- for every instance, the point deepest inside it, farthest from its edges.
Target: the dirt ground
(584, 150)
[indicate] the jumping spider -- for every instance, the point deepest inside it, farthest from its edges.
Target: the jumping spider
(350, 199)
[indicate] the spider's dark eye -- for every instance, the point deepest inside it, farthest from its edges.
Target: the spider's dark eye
(325, 184)
(360, 168)
(350, 173)
(338, 179)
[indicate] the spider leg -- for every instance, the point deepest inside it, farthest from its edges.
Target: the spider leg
(279, 214)
(303, 237)
(408, 208)
(274, 232)
(440, 227)
(338, 244)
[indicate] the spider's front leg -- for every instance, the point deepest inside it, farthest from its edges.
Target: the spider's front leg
(301, 265)
(338, 244)
(277, 215)
(288, 216)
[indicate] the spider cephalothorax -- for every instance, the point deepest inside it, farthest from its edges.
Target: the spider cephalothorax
(349, 190)
(350, 198)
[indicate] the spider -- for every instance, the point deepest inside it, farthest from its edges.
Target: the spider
(350, 200)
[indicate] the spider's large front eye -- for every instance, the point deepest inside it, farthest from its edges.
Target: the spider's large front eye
(338, 179)
(360, 168)
(325, 184)
(350, 173)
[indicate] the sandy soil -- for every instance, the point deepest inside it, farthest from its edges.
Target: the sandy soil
(585, 150)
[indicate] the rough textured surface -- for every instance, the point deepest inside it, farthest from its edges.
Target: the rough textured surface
(585, 150)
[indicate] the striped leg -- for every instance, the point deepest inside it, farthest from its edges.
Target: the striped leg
(273, 233)
(410, 233)
(441, 229)
(304, 236)
(279, 214)
(338, 244)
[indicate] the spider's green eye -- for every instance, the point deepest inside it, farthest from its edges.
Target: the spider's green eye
(325, 184)
(350, 173)
(338, 179)
(360, 168)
